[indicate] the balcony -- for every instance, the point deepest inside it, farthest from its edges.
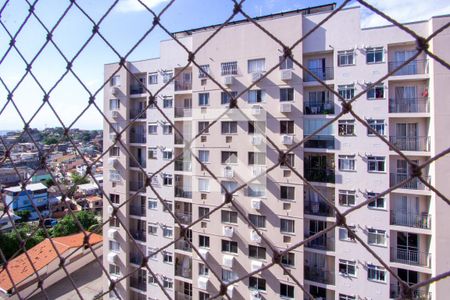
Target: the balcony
(137, 186)
(417, 294)
(411, 143)
(413, 220)
(414, 67)
(139, 235)
(185, 218)
(318, 208)
(178, 140)
(138, 163)
(183, 245)
(137, 114)
(184, 84)
(325, 73)
(182, 112)
(183, 165)
(136, 89)
(321, 243)
(182, 296)
(319, 275)
(138, 139)
(138, 210)
(411, 257)
(320, 142)
(409, 105)
(318, 108)
(414, 184)
(182, 193)
(136, 258)
(183, 271)
(138, 283)
(320, 175)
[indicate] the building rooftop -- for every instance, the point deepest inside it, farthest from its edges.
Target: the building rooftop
(88, 186)
(30, 187)
(41, 255)
(93, 198)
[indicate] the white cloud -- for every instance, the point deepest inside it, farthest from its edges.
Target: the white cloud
(135, 5)
(404, 11)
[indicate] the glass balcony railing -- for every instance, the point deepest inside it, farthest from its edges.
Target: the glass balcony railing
(319, 275)
(419, 66)
(183, 245)
(320, 142)
(137, 163)
(182, 112)
(411, 143)
(139, 235)
(182, 85)
(138, 283)
(182, 193)
(137, 113)
(184, 218)
(409, 219)
(325, 73)
(183, 165)
(409, 105)
(136, 89)
(321, 243)
(183, 271)
(138, 210)
(318, 108)
(318, 208)
(137, 186)
(320, 175)
(138, 138)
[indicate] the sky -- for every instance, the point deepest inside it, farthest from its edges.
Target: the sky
(123, 27)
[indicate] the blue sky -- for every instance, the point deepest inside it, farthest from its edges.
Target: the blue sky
(122, 28)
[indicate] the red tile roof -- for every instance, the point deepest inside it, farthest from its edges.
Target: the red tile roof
(41, 255)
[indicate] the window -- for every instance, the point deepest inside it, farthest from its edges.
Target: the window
(256, 65)
(256, 190)
(203, 71)
(115, 80)
(152, 203)
(286, 94)
(287, 127)
(288, 259)
(375, 164)
(114, 198)
(167, 257)
(376, 273)
(203, 99)
(114, 270)
(256, 158)
(203, 185)
(346, 127)
(229, 186)
(114, 151)
(152, 229)
(151, 253)
(228, 276)
(286, 290)
(229, 157)
(167, 232)
(257, 220)
(374, 55)
(377, 203)
(153, 129)
(256, 127)
(114, 104)
(203, 211)
(347, 198)
(167, 154)
(167, 283)
(377, 125)
(167, 179)
(287, 226)
(229, 127)
(287, 192)
(202, 125)
(167, 102)
(152, 280)
(152, 153)
(167, 76)
(203, 270)
(344, 235)
(346, 58)
(346, 91)
(203, 156)
(203, 296)
(256, 283)
(229, 68)
(346, 162)
(229, 216)
(114, 222)
(203, 241)
(376, 237)
(229, 246)
(286, 63)
(256, 252)
(167, 129)
(225, 98)
(376, 92)
(346, 297)
(255, 96)
(347, 267)
(290, 159)
(114, 246)
(153, 78)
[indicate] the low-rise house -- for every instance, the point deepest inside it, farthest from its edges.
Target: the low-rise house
(22, 200)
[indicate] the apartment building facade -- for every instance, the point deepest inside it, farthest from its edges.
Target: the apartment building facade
(345, 161)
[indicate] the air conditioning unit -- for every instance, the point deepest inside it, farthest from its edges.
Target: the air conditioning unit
(228, 79)
(113, 258)
(227, 261)
(228, 172)
(112, 136)
(256, 76)
(115, 114)
(286, 75)
(115, 91)
(287, 139)
(255, 265)
(112, 234)
(202, 282)
(258, 170)
(256, 140)
(230, 291)
(228, 231)
(254, 237)
(203, 252)
(110, 210)
(285, 107)
(256, 110)
(114, 176)
(112, 162)
(256, 203)
(255, 295)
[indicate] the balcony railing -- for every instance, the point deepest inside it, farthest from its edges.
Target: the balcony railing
(183, 245)
(136, 258)
(136, 89)
(321, 243)
(409, 105)
(181, 193)
(138, 210)
(137, 113)
(319, 275)
(179, 140)
(325, 73)
(183, 272)
(419, 294)
(138, 138)
(419, 66)
(411, 143)
(136, 186)
(139, 163)
(320, 142)
(411, 257)
(185, 218)
(408, 219)
(182, 112)
(414, 184)
(183, 165)
(139, 235)
(318, 108)
(181, 85)
(318, 208)
(182, 296)
(320, 175)
(138, 283)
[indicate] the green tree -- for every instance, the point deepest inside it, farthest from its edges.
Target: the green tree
(50, 140)
(77, 179)
(49, 182)
(67, 224)
(10, 242)
(24, 215)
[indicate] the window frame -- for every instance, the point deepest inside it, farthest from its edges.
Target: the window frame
(288, 223)
(152, 75)
(287, 94)
(372, 51)
(376, 164)
(348, 266)
(346, 54)
(347, 162)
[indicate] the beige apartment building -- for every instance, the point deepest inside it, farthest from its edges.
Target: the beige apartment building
(407, 228)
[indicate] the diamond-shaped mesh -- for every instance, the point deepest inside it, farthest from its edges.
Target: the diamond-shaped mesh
(46, 106)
